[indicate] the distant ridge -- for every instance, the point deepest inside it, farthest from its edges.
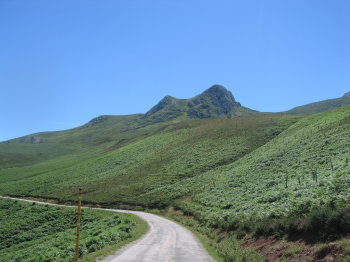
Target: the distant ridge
(321, 106)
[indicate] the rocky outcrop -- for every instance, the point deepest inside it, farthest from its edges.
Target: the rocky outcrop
(31, 139)
(95, 121)
(219, 98)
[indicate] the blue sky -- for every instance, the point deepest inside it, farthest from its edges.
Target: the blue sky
(65, 62)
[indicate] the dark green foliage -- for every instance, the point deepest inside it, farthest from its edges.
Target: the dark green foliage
(31, 232)
(314, 175)
(320, 224)
(286, 180)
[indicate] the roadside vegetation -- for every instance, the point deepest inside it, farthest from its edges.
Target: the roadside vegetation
(32, 232)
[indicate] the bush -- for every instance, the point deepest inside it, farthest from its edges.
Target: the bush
(321, 224)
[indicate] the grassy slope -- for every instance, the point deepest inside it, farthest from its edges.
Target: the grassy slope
(321, 106)
(46, 233)
(100, 135)
(129, 173)
(296, 184)
(224, 172)
(255, 185)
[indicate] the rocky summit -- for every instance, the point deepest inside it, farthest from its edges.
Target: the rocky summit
(216, 101)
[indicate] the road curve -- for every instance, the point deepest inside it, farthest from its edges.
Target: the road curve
(165, 241)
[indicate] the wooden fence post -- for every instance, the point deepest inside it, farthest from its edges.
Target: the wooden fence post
(78, 225)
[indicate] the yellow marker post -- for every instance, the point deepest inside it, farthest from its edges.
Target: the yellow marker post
(78, 225)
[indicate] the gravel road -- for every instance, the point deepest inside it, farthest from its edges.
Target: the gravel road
(165, 241)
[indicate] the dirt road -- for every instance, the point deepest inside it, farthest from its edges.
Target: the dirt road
(165, 241)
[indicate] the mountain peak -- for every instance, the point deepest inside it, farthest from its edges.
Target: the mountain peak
(216, 88)
(220, 95)
(216, 101)
(347, 94)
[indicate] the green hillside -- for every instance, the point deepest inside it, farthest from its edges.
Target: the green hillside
(125, 174)
(321, 106)
(303, 168)
(101, 134)
(106, 133)
(45, 233)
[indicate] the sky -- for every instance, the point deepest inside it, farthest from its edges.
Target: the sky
(65, 62)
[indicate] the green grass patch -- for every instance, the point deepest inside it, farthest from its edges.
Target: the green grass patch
(139, 230)
(293, 251)
(32, 232)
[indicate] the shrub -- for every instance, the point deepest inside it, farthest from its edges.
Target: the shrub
(321, 224)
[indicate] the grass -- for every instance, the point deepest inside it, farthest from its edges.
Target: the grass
(293, 251)
(139, 230)
(254, 187)
(177, 152)
(321, 106)
(30, 232)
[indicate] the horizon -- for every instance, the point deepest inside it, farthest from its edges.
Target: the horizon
(64, 63)
(142, 113)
